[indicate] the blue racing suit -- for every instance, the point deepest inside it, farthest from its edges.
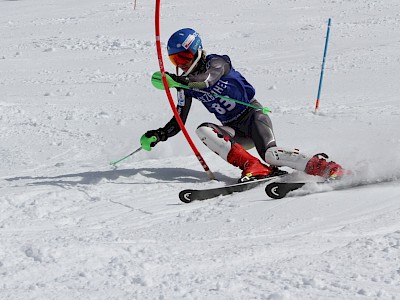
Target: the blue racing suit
(251, 126)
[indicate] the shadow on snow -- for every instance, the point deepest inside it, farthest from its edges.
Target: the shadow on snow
(166, 175)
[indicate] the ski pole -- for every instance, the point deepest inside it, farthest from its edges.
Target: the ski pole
(156, 80)
(130, 154)
(323, 66)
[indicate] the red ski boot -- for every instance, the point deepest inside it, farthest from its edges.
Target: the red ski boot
(251, 166)
(318, 166)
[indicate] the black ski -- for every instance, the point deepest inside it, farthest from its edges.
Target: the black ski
(190, 195)
(278, 190)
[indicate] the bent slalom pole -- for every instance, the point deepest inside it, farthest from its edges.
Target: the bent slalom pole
(169, 96)
(323, 67)
(156, 80)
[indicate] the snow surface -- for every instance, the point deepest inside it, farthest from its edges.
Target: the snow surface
(75, 94)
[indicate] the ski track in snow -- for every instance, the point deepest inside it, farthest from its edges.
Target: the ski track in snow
(75, 94)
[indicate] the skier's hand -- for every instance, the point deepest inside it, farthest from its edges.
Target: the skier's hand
(151, 138)
(179, 79)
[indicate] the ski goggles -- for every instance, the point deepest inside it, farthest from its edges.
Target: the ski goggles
(182, 58)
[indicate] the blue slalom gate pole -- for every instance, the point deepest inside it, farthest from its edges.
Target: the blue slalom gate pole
(323, 67)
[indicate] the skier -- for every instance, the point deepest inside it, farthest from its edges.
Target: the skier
(242, 128)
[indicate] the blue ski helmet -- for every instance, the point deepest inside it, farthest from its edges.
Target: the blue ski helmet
(184, 39)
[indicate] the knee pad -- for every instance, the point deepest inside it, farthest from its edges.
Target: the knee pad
(281, 157)
(215, 139)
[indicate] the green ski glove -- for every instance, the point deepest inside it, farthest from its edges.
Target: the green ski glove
(151, 138)
(179, 79)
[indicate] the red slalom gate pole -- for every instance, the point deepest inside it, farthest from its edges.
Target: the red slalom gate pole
(169, 96)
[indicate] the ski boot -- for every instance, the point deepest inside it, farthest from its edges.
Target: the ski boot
(252, 168)
(318, 166)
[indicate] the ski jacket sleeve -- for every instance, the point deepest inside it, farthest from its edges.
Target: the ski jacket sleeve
(218, 67)
(183, 107)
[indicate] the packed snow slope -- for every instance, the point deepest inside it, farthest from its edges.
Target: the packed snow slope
(75, 93)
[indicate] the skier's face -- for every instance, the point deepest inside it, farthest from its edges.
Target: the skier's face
(183, 60)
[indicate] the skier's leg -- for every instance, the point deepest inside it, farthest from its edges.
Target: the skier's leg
(259, 129)
(222, 141)
(312, 165)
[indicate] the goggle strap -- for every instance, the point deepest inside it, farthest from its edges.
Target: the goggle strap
(194, 63)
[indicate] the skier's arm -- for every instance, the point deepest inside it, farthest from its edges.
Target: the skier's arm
(172, 127)
(218, 68)
(169, 130)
